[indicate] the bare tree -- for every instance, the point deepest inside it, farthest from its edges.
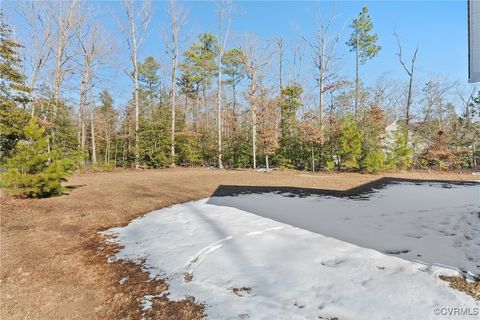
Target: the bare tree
(38, 50)
(387, 93)
(281, 51)
(437, 109)
(469, 132)
(65, 18)
(295, 69)
(93, 51)
(224, 13)
(323, 44)
(467, 99)
(255, 59)
(92, 123)
(409, 70)
(83, 102)
(178, 16)
(137, 23)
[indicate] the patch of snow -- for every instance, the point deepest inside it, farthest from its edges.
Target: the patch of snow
(147, 302)
(293, 273)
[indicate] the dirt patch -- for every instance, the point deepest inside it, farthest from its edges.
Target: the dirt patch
(52, 262)
(130, 284)
(242, 291)
(459, 283)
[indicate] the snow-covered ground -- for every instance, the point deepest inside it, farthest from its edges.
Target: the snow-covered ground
(324, 257)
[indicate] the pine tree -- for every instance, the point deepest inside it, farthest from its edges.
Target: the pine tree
(234, 69)
(350, 144)
(289, 144)
(13, 93)
(154, 137)
(33, 171)
(364, 44)
(374, 162)
(372, 159)
(401, 153)
(198, 70)
(199, 63)
(107, 117)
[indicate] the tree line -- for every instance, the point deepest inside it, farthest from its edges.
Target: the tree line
(216, 103)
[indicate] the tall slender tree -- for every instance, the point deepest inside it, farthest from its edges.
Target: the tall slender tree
(38, 52)
(224, 13)
(234, 69)
(198, 69)
(267, 123)
(255, 59)
(363, 42)
(64, 17)
(106, 115)
(137, 23)
(177, 15)
(323, 44)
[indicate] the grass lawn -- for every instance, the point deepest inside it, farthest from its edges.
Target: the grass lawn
(53, 262)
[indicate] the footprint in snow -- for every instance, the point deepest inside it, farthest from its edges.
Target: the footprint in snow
(332, 262)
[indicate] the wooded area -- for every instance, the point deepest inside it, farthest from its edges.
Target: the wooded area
(220, 101)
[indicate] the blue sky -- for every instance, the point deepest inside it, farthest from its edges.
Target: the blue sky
(440, 27)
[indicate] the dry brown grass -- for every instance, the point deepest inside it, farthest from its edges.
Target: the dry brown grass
(470, 288)
(53, 264)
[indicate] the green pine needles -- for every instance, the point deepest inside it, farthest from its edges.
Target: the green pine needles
(33, 170)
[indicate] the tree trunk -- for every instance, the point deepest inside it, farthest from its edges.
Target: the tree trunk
(280, 62)
(105, 158)
(474, 156)
(409, 99)
(185, 111)
(92, 126)
(234, 108)
(204, 89)
(320, 97)
(219, 112)
(266, 163)
(254, 122)
(197, 113)
(313, 161)
(36, 70)
(137, 103)
(235, 121)
(57, 80)
(356, 77)
(83, 108)
(172, 97)
(115, 155)
(108, 137)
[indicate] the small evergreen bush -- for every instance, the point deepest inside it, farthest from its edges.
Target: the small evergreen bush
(374, 162)
(350, 144)
(401, 153)
(33, 171)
